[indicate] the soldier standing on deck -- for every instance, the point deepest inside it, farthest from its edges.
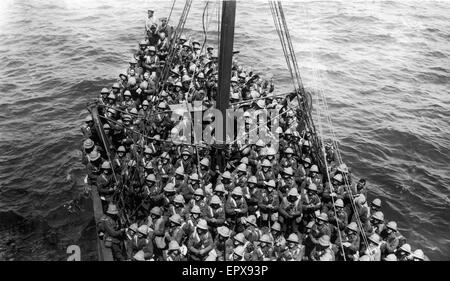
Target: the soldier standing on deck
(113, 234)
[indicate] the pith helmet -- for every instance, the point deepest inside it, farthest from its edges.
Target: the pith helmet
(289, 150)
(106, 165)
(293, 192)
(204, 162)
(265, 238)
(293, 238)
(376, 202)
(391, 257)
(323, 217)
(378, 216)
(270, 183)
(353, 227)
(87, 144)
(133, 227)
(276, 226)
(162, 105)
(174, 246)
(112, 96)
(223, 231)
(237, 191)
(288, 171)
(244, 160)
(251, 220)
(175, 218)
(361, 199)
(151, 178)
(242, 168)
(202, 224)
(338, 178)
(156, 211)
(226, 175)
(186, 152)
(219, 188)
(271, 151)
(343, 168)
(215, 200)
(199, 192)
(314, 169)
(324, 241)
(406, 248)
(170, 187)
(312, 187)
(112, 209)
(339, 203)
(147, 150)
(239, 250)
(88, 118)
(375, 238)
(252, 179)
(260, 143)
(418, 254)
(266, 163)
(179, 171)
(261, 103)
(194, 177)
(139, 256)
(240, 238)
(179, 199)
(392, 225)
(196, 210)
(143, 229)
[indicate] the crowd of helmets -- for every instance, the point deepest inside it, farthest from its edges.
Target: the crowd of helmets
(270, 203)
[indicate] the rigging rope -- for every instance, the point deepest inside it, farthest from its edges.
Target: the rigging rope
(329, 178)
(100, 129)
(171, 10)
(321, 97)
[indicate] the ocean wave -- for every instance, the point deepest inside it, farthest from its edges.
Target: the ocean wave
(389, 133)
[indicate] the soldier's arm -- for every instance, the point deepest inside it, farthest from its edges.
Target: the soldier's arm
(112, 232)
(103, 187)
(148, 250)
(354, 246)
(221, 219)
(244, 208)
(160, 230)
(180, 236)
(392, 246)
(191, 247)
(228, 209)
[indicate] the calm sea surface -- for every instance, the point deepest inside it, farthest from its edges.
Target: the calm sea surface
(384, 67)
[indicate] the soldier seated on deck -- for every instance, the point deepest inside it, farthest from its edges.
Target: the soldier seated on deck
(316, 208)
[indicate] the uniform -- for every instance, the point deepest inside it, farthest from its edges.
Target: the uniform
(200, 242)
(114, 235)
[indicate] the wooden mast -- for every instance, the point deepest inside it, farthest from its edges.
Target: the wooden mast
(225, 65)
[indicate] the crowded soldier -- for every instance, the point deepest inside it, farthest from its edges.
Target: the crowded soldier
(166, 198)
